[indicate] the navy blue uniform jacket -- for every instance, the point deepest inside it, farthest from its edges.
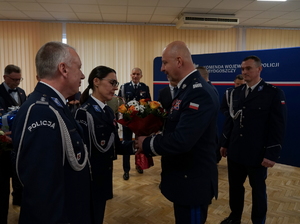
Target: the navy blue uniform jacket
(128, 92)
(53, 191)
(188, 144)
(258, 131)
(101, 162)
(8, 100)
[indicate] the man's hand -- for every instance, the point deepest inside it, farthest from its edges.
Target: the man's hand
(267, 163)
(7, 137)
(223, 151)
(139, 143)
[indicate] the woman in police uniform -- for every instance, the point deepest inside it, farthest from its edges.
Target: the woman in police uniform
(101, 136)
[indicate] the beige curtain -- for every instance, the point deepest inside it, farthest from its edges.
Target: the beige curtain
(272, 38)
(124, 47)
(19, 42)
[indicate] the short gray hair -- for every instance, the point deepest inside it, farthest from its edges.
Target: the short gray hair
(49, 56)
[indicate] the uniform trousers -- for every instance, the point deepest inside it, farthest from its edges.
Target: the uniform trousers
(98, 211)
(127, 135)
(187, 214)
(237, 174)
(5, 174)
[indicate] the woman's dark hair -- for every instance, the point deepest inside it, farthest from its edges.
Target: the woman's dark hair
(98, 72)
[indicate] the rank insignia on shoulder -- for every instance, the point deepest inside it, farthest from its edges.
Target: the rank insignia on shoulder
(197, 85)
(78, 156)
(97, 108)
(56, 101)
(260, 88)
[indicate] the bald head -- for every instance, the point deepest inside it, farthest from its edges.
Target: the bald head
(177, 60)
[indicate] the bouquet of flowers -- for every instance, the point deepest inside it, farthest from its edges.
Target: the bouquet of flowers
(143, 118)
(4, 142)
(6, 121)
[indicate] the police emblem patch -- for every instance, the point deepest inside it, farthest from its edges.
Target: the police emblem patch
(56, 101)
(97, 108)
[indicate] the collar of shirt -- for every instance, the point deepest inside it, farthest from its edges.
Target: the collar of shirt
(253, 87)
(135, 83)
(58, 93)
(6, 86)
(171, 87)
(102, 105)
(182, 80)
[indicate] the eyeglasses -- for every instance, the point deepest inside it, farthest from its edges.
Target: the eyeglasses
(113, 82)
(15, 80)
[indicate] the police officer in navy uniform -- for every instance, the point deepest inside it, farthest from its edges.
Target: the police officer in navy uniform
(166, 94)
(11, 96)
(252, 139)
(52, 160)
(101, 135)
(224, 108)
(238, 80)
(189, 175)
(130, 91)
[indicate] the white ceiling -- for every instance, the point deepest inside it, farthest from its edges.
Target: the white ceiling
(250, 12)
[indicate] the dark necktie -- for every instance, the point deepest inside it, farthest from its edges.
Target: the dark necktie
(135, 86)
(175, 90)
(249, 90)
(12, 90)
(109, 112)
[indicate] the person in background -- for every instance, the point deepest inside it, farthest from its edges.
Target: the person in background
(101, 135)
(133, 90)
(252, 139)
(11, 96)
(189, 175)
(224, 108)
(73, 102)
(205, 74)
(52, 160)
(238, 80)
(10, 91)
(166, 94)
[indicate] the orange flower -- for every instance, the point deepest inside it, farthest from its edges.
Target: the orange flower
(122, 109)
(143, 102)
(131, 109)
(154, 105)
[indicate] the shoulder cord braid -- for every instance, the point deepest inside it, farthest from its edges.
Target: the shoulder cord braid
(91, 128)
(231, 112)
(227, 97)
(66, 142)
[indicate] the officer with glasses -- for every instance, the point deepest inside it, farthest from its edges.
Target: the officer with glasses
(11, 95)
(99, 126)
(10, 91)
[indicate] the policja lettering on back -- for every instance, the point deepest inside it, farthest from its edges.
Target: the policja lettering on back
(41, 123)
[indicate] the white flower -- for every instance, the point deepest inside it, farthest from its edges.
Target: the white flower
(133, 103)
(142, 108)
